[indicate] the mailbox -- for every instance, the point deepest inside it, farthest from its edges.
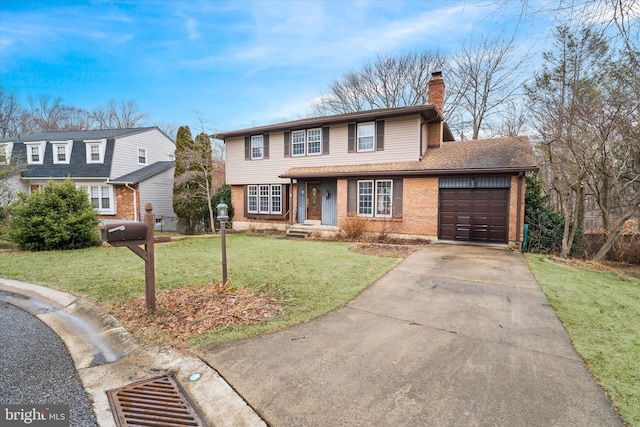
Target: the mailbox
(124, 231)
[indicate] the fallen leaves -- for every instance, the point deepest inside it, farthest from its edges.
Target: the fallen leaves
(185, 312)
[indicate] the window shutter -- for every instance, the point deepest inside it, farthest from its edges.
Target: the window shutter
(325, 140)
(246, 200)
(397, 198)
(247, 148)
(352, 197)
(287, 144)
(380, 135)
(265, 146)
(351, 138)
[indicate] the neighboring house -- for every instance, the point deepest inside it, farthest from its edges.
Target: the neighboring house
(399, 168)
(120, 169)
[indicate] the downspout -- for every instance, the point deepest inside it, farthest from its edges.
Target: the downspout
(135, 201)
(519, 209)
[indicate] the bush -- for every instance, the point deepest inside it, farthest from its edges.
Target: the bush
(353, 226)
(58, 217)
(546, 225)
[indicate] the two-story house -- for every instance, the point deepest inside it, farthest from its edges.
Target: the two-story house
(399, 168)
(120, 169)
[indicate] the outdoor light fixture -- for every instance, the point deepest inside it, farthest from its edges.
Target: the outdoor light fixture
(328, 195)
(223, 217)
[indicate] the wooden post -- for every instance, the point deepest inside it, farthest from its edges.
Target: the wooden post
(149, 262)
(224, 252)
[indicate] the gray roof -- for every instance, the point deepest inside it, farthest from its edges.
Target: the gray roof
(144, 173)
(429, 112)
(78, 134)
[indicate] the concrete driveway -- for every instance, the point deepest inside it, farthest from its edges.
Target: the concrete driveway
(454, 335)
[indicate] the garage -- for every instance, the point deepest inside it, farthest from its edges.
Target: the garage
(474, 209)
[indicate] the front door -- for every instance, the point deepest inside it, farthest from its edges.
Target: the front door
(314, 200)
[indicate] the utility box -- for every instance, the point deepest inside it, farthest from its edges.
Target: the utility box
(124, 231)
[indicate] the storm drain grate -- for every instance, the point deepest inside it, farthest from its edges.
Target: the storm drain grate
(157, 402)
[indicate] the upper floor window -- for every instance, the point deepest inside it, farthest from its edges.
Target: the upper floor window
(257, 145)
(61, 151)
(96, 150)
(5, 155)
(314, 140)
(171, 157)
(366, 136)
(298, 143)
(142, 156)
(35, 152)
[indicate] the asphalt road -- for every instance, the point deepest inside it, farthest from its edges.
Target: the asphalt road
(36, 369)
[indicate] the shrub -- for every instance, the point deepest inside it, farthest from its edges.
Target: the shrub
(59, 216)
(546, 225)
(353, 226)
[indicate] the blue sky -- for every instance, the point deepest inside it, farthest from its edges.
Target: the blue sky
(237, 63)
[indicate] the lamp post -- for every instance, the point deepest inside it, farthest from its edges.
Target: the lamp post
(223, 216)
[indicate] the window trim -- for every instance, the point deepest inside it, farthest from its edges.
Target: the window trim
(377, 195)
(373, 136)
(255, 138)
(40, 145)
(146, 157)
(111, 210)
(272, 195)
(68, 147)
(101, 144)
(374, 198)
(303, 143)
(7, 147)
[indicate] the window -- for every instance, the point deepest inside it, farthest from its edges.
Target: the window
(171, 157)
(256, 147)
(264, 199)
(365, 136)
(61, 151)
(297, 143)
(101, 197)
(142, 156)
(61, 154)
(4, 153)
(379, 191)
(35, 152)
(252, 195)
(95, 151)
(314, 139)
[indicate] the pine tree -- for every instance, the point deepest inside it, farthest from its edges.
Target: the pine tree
(187, 208)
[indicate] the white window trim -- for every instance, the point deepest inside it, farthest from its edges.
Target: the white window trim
(8, 149)
(87, 187)
(146, 155)
(41, 147)
(255, 137)
(373, 145)
(304, 143)
(260, 196)
(373, 195)
(67, 145)
(374, 207)
(270, 197)
(249, 196)
(319, 142)
(171, 157)
(102, 143)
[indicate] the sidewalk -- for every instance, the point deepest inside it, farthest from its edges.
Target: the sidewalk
(107, 357)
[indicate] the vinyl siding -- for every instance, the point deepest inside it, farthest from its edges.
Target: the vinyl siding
(401, 143)
(125, 153)
(157, 191)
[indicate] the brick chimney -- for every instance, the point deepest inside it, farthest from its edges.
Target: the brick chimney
(435, 94)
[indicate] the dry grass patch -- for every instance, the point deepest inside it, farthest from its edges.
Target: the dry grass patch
(187, 312)
(384, 250)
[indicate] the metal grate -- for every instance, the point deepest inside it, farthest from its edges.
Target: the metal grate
(157, 402)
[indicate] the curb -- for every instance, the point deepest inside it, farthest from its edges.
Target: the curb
(108, 357)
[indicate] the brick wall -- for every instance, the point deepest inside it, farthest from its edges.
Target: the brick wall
(124, 203)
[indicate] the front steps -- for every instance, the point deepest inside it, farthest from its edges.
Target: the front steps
(309, 228)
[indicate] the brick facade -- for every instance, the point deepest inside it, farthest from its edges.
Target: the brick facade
(124, 203)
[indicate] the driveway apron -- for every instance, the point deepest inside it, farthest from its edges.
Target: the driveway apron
(454, 335)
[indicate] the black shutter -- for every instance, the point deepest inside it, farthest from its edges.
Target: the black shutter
(380, 135)
(265, 146)
(247, 148)
(287, 144)
(325, 140)
(351, 138)
(396, 208)
(352, 197)
(246, 200)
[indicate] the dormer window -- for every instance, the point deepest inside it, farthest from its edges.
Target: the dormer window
(142, 156)
(95, 150)
(61, 151)
(35, 152)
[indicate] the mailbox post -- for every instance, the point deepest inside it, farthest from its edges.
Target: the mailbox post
(132, 235)
(223, 216)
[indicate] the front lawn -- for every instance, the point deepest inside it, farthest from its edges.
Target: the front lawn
(601, 312)
(310, 278)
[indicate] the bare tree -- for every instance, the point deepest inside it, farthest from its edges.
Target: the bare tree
(122, 115)
(389, 81)
(10, 111)
(50, 114)
(484, 82)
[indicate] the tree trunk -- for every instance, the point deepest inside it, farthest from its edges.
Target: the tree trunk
(612, 237)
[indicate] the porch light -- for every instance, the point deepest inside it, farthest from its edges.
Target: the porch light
(223, 217)
(223, 213)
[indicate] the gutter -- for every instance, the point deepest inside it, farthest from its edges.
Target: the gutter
(135, 201)
(430, 172)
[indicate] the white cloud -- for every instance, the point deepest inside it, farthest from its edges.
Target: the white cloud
(192, 29)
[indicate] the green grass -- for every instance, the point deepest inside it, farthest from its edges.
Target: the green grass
(601, 313)
(311, 278)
